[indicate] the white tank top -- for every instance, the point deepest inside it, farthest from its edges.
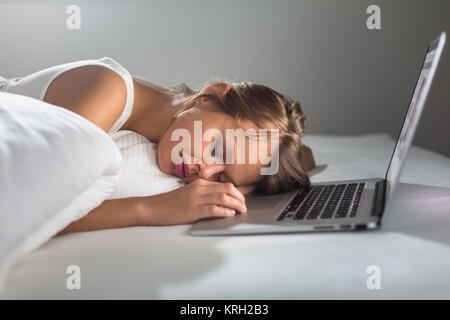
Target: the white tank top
(35, 85)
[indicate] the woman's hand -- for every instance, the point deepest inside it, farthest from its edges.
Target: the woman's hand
(197, 200)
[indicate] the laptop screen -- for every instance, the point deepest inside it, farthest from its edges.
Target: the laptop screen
(413, 114)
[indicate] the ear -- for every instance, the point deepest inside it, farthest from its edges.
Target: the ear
(219, 89)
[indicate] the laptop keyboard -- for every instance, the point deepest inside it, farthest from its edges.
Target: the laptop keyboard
(325, 202)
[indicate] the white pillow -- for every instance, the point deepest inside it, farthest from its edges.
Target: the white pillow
(140, 174)
(55, 167)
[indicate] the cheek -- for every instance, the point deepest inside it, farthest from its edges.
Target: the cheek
(209, 152)
(253, 172)
(193, 152)
(166, 145)
(163, 158)
(245, 174)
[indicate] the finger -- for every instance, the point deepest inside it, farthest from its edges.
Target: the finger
(229, 189)
(225, 200)
(211, 210)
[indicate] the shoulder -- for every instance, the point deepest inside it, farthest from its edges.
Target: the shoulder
(90, 79)
(93, 91)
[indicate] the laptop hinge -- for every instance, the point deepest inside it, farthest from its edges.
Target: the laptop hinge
(379, 199)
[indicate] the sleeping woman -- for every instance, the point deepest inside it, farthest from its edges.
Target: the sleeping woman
(105, 93)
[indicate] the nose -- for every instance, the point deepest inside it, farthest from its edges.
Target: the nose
(196, 167)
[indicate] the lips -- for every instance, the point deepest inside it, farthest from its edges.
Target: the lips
(180, 169)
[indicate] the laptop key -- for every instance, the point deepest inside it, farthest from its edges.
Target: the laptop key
(298, 199)
(347, 198)
(341, 213)
(332, 203)
(301, 213)
(283, 214)
(310, 199)
(320, 203)
(326, 201)
(355, 205)
(292, 207)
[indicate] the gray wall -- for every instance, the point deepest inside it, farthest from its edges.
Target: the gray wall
(350, 80)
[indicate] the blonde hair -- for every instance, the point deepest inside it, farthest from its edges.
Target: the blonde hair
(261, 104)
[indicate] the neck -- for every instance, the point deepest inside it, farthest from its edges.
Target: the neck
(153, 110)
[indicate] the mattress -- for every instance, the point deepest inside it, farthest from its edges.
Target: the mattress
(412, 249)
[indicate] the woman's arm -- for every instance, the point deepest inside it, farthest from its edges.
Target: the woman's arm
(197, 200)
(110, 214)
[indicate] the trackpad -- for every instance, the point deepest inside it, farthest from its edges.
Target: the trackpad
(263, 202)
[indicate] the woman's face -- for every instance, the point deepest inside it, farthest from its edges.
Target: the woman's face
(191, 163)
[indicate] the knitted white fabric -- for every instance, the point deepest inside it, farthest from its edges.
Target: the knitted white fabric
(139, 173)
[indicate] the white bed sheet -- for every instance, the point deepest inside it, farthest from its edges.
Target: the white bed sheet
(412, 249)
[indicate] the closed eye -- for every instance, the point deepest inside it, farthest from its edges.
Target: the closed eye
(223, 177)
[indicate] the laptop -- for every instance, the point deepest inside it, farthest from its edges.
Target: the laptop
(335, 205)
